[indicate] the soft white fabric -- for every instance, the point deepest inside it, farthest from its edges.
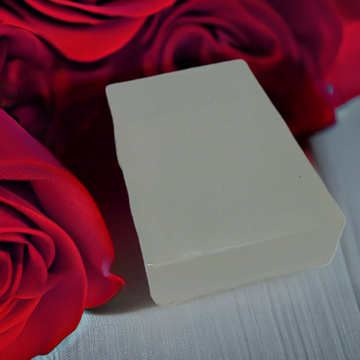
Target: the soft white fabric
(311, 314)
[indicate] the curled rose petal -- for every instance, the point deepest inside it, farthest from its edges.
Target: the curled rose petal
(83, 31)
(55, 250)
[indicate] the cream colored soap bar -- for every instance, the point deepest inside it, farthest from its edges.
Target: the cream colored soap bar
(220, 192)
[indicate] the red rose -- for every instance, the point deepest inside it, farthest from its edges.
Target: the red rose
(288, 45)
(86, 30)
(55, 251)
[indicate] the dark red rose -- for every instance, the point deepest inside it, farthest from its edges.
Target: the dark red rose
(62, 103)
(55, 251)
(86, 30)
(349, 9)
(26, 85)
(288, 45)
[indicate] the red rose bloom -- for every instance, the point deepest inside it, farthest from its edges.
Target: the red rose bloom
(55, 251)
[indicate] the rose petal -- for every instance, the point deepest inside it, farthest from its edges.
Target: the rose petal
(56, 316)
(10, 217)
(96, 258)
(44, 244)
(79, 274)
(103, 285)
(80, 31)
(56, 190)
(9, 305)
(320, 39)
(20, 312)
(17, 254)
(14, 221)
(5, 270)
(10, 335)
(34, 275)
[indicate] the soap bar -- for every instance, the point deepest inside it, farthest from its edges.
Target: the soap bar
(220, 192)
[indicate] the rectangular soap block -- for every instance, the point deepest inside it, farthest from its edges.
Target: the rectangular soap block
(220, 192)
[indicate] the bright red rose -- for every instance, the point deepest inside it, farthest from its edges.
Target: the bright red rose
(288, 54)
(86, 30)
(55, 251)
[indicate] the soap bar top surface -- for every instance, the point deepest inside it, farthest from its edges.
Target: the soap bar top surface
(211, 167)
